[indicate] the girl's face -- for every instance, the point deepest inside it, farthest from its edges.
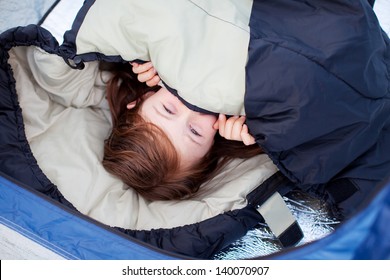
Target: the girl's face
(191, 132)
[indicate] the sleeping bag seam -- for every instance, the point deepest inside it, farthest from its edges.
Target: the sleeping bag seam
(218, 18)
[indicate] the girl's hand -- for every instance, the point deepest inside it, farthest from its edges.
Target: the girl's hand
(234, 128)
(146, 73)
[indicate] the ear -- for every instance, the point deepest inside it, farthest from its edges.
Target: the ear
(131, 105)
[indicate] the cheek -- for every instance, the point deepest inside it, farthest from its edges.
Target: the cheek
(200, 151)
(192, 154)
(212, 119)
(211, 135)
(208, 124)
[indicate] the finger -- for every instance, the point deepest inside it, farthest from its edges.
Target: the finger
(135, 67)
(140, 68)
(229, 128)
(146, 76)
(237, 128)
(221, 124)
(153, 81)
(134, 64)
(247, 139)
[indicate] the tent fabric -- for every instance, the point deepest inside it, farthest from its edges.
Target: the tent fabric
(36, 36)
(365, 236)
(14, 13)
(65, 232)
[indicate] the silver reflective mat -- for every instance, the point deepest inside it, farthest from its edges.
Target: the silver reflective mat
(312, 215)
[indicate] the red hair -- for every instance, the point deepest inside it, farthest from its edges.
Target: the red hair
(143, 157)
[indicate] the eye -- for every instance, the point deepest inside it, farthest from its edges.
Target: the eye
(193, 131)
(167, 110)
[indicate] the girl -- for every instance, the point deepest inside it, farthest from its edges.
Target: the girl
(161, 148)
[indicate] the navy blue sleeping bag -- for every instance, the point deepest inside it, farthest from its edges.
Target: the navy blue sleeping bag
(325, 118)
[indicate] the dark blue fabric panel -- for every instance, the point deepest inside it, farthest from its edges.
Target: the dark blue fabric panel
(344, 37)
(204, 239)
(318, 89)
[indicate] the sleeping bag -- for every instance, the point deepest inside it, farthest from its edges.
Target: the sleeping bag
(318, 105)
